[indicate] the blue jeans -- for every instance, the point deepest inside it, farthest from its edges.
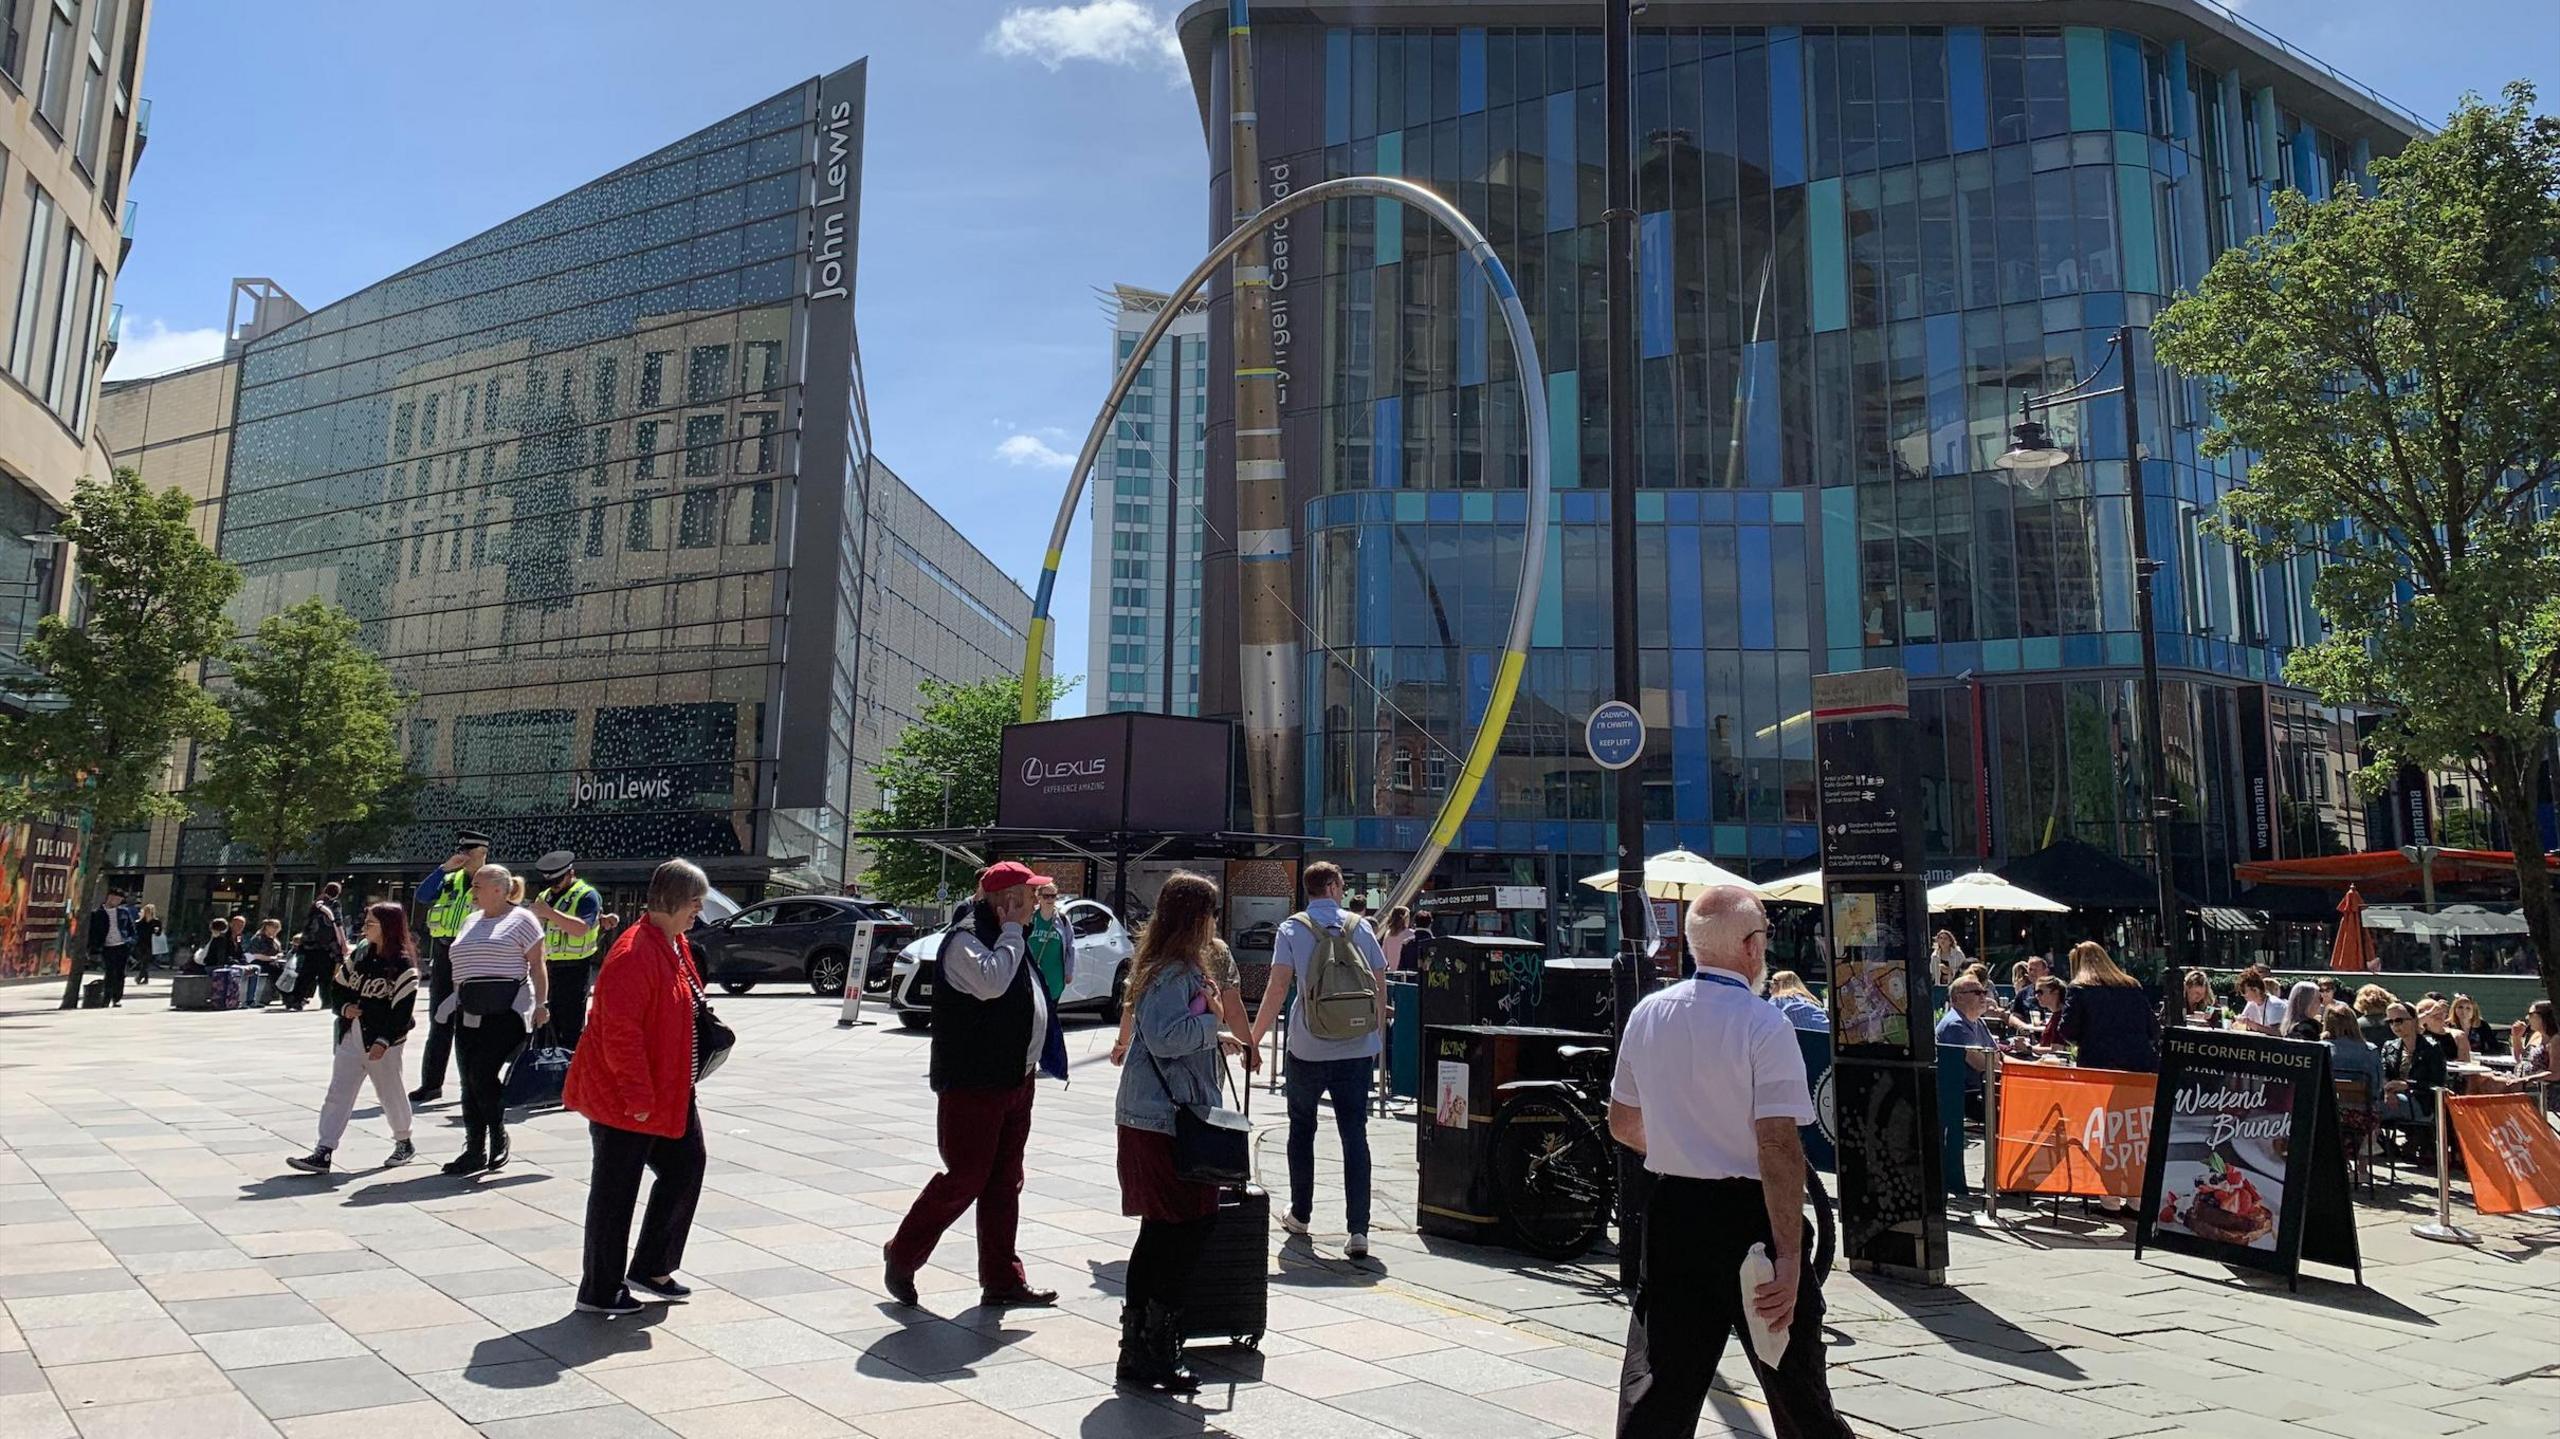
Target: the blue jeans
(1347, 1081)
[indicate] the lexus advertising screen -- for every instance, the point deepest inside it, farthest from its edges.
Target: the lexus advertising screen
(1116, 771)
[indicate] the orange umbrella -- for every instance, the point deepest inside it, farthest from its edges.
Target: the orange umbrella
(2354, 948)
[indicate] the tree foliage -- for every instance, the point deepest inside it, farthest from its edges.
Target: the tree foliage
(123, 691)
(958, 740)
(2390, 365)
(311, 747)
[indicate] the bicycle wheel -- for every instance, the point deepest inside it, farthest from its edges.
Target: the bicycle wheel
(1552, 1175)
(1826, 1230)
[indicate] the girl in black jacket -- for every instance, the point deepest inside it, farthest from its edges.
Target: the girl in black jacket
(375, 990)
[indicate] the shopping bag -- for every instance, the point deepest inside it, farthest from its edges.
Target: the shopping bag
(535, 1075)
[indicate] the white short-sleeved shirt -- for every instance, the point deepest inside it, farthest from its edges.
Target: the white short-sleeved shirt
(1704, 1059)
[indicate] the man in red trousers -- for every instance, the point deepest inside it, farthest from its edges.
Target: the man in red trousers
(991, 1021)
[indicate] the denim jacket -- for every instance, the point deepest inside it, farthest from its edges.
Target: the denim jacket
(1173, 1056)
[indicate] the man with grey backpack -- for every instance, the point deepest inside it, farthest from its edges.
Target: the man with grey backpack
(1336, 1032)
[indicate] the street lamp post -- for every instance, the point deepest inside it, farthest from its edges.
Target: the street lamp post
(2031, 453)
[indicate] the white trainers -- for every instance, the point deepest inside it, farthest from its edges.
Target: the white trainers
(1356, 1247)
(1293, 1224)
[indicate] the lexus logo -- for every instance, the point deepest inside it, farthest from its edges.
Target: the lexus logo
(1036, 769)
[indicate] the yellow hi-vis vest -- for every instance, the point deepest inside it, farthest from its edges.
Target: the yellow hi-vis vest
(560, 947)
(452, 908)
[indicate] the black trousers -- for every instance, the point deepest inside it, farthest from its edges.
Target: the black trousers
(439, 1035)
(1696, 1234)
(1160, 1263)
(613, 1188)
(484, 1050)
(112, 963)
(569, 1000)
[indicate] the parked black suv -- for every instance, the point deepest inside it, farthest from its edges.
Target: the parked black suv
(805, 937)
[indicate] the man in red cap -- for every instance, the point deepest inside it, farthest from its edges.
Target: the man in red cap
(991, 1022)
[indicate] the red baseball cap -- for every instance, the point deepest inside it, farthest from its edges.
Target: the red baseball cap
(997, 878)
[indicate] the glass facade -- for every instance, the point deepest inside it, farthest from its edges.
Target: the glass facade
(581, 476)
(1139, 612)
(1859, 248)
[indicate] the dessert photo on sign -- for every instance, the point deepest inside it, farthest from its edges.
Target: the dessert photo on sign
(2229, 1135)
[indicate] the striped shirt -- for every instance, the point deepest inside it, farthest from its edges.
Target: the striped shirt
(495, 948)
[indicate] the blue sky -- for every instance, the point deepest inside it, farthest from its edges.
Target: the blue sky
(1017, 158)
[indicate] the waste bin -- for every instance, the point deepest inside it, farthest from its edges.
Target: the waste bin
(1576, 994)
(1404, 1037)
(1481, 979)
(1464, 1068)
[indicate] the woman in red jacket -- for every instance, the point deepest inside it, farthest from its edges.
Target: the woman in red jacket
(633, 1080)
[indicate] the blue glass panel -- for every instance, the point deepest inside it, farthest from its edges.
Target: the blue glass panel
(1337, 86)
(1768, 841)
(2306, 163)
(1759, 615)
(1386, 443)
(1716, 506)
(1444, 507)
(1471, 331)
(1516, 835)
(1920, 659)
(1564, 437)
(1377, 586)
(1827, 251)
(1732, 839)
(2141, 234)
(1546, 631)
(1760, 406)
(1582, 507)
(1653, 283)
(2085, 54)
(1787, 507)
(2125, 79)
(2182, 96)
(1377, 508)
(2124, 649)
(1751, 509)
(1475, 835)
(1685, 600)
(1649, 507)
(2040, 654)
(1968, 103)
(2081, 651)
(1387, 216)
(1840, 628)
(1412, 507)
(1689, 739)
(1845, 660)
(1683, 507)
(1949, 434)
(1802, 840)
(1478, 509)
(1562, 174)
(1786, 106)
(2001, 655)
(1960, 657)
(1470, 70)
(1511, 507)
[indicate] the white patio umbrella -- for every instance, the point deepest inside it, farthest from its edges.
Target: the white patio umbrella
(1981, 891)
(1805, 888)
(1674, 874)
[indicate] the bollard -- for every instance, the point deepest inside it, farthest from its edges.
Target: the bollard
(1991, 1140)
(2444, 1230)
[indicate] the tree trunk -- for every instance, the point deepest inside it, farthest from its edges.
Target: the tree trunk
(2515, 774)
(267, 887)
(75, 921)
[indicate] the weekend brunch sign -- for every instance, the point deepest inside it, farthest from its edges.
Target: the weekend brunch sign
(2245, 1164)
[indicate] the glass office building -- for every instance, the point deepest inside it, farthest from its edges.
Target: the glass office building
(596, 483)
(1859, 248)
(1145, 644)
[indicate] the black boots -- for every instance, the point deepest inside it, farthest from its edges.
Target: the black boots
(1151, 1350)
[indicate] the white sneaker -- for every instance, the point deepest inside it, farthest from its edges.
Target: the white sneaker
(1292, 1224)
(1356, 1247)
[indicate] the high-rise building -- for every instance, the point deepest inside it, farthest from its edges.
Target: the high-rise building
(1860, 247)
(598, 484)
(72, 127)
(1145, 641)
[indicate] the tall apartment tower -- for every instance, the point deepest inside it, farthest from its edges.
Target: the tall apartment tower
(1146, 597)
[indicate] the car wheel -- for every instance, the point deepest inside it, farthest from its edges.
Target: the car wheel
(914, 1019)
(737, 986)
(1119, 987)
(827, 970)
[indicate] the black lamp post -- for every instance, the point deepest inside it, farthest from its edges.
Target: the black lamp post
(2031, 453)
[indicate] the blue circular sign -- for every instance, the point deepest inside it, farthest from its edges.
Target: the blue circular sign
(1614, 734)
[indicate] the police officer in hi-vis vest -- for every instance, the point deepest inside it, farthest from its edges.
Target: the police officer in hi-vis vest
(446, 893)
(569, 909)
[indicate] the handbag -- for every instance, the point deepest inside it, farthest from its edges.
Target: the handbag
(711, 1039)
(1211, 1143)
(538, 1070)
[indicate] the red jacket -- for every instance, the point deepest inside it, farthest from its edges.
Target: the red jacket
(636, 1056)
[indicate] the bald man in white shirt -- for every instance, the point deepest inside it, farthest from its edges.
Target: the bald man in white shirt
(1710, 1089)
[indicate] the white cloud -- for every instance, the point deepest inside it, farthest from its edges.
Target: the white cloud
(152, 348)
(1032, 452)
(1113, 32)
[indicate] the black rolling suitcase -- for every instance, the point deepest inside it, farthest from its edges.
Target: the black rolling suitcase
(1230, 1299)
(93, 995)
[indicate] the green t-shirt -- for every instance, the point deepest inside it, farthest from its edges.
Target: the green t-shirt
(1049, 954)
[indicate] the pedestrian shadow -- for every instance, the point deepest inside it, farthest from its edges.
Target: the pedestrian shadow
(436, 1184)
(1966, 1325)
(1301, 1267)
(937, 1347)
(570, 1341)
(1121, 1415)
(296, 1185)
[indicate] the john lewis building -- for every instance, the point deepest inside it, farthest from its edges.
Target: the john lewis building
(1860, 246)
(599, 483)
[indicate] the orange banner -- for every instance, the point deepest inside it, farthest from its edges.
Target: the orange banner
(2508, 1147)
(2075, 1132)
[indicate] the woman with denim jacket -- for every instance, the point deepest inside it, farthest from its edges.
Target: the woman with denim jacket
(1175, 1059)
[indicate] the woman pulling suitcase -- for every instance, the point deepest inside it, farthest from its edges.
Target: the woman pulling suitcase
(1174, 1063)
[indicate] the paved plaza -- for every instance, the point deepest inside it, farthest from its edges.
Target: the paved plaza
(165, 1277)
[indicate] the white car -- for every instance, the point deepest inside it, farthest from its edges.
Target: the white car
(1094, 974)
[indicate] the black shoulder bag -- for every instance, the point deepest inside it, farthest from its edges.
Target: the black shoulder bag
(1211, 1144)
(711, 1039)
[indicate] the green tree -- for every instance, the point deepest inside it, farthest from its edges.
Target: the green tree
(2391, 365)
(953, 748)
(311, 745)
(121, 685)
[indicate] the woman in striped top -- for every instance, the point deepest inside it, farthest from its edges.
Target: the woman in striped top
(501, 993)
